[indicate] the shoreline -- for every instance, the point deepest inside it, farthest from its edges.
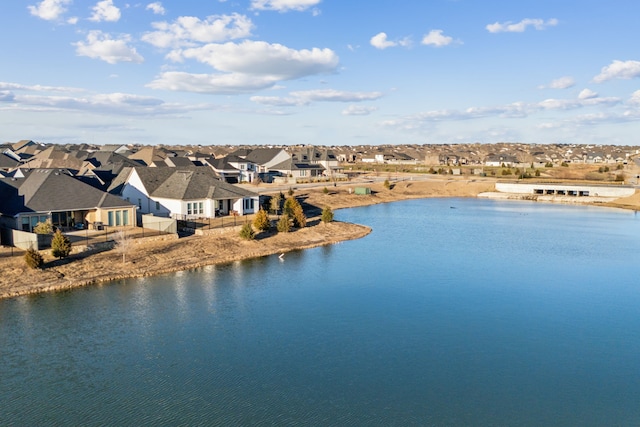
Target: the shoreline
(165, 256)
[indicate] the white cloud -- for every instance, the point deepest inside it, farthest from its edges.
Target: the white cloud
(73, 20)
(261, 58)
(306, 97)
(187, 30)
(358, 110)
(560, 83)
(217, 84)
(245, 67)
(37, 88)
(332, 95)
(277, 101)
(379, 41)
(437, 39)
(284, 5)
(105, 11)
(618, 70)
(100, 45)
(519, 27)
(587, 94)
(156, 8)
(49, 10)
(635, 97)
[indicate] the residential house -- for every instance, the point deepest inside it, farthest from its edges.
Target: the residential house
(194, 192)
(37, 195)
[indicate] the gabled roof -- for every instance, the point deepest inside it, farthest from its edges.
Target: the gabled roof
(7, 162)
(47, 190)
(261, 156)
(291, 165)
(182, 183)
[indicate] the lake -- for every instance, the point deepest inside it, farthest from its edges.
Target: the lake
(451, 312)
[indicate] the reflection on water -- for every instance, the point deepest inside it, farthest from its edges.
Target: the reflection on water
(491, 313)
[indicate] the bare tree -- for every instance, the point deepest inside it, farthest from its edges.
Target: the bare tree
(123, 243)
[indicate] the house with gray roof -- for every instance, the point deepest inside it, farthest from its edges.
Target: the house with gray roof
(38, 195)
(189, 193)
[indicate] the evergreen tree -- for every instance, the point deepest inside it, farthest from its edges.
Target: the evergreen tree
(247, 233)
(33, 258)
(43, 227)
(289, 205)
(299, 218)
(284, 224)
(276, 202)
(261, 221)
(327, 214)
(60, 245)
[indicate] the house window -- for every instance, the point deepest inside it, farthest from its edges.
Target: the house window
(118, 218)
(200, 208)
(252, 205)
(189, 211)
(303, 173)
(110, 218)
(125, 217)
(140, 203)
(157, 206)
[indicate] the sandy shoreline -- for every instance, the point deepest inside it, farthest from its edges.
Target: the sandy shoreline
(156, 257)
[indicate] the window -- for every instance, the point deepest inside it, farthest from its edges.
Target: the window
(252, 206)
(118, 218)
(140, 203)
(303, 173)
(110, 218)
(200, 208)
(157, 206)
(125, 217)
(189, 212)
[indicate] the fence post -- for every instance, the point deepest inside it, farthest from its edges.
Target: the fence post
(105, 234)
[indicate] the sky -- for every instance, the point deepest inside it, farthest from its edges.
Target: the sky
(320, 72)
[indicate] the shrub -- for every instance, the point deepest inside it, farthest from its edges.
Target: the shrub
(60, 245)
(564, 164)
(325, 190)
(43, 227)
(620, 177)
(299, 218)
(290, 192)
(386, 184)
(289, 205)
(247, 233)
(327, 214)
(548, 165)
(33, 258)
(261, 221)
(537, 172)
(284, 226)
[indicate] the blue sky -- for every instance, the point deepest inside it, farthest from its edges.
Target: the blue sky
(322, 72)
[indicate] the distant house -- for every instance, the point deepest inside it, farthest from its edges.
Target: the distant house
(38, 195)
(194, 192)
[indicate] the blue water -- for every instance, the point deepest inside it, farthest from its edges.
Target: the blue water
(451, 312)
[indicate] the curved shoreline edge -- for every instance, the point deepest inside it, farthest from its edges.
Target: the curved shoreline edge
(172, 255)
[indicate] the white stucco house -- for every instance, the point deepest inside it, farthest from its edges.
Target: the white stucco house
(184, 193)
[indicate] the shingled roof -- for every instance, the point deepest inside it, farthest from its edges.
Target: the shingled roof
(48, 190)
(191, 183)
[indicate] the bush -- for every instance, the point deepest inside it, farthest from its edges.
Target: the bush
(620, 177)
(247, 233)
(33, 258)
(386, 184)
(261, 221)
(43, 228)
(299, 218)
(289, 204)
(325, 190)
(290, 192)
(60, 245)
(284, 224)
(537, 172)
(327, 214)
